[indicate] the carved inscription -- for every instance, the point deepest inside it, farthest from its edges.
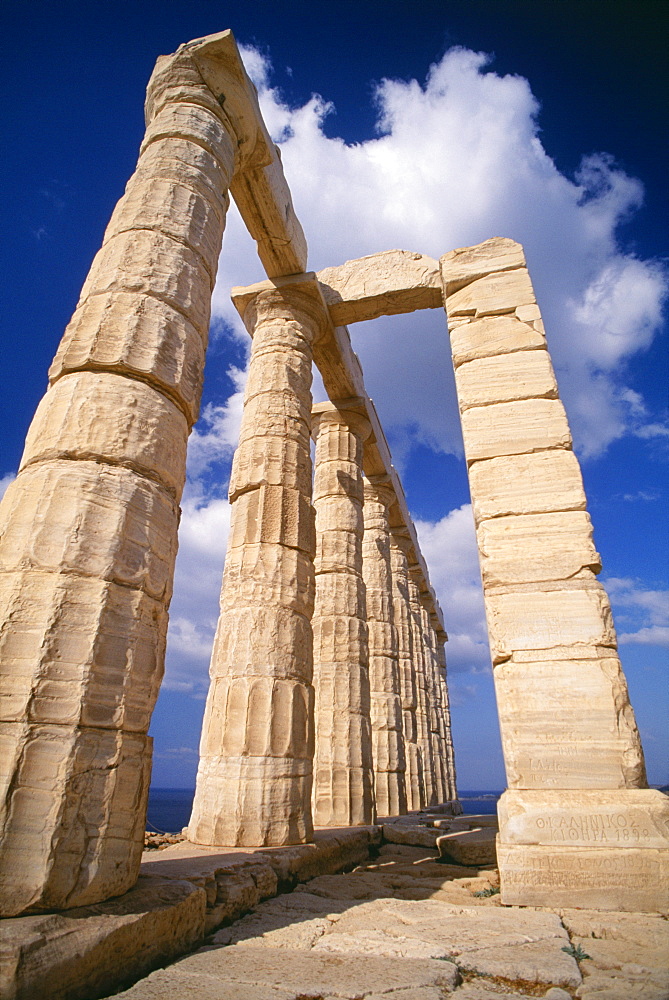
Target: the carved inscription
(603, 877)
(611, 828)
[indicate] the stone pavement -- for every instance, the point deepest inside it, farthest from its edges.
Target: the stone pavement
(408, 925)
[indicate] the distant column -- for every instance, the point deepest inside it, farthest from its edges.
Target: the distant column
(451, 778)
(578, 825)
(384, 680)
(399, 546)
(89, 527)
(422, 706)
(343, 792)
(256, 753)
(436, 722)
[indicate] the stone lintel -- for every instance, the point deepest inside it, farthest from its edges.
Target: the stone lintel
(259, 186)
(382, 284)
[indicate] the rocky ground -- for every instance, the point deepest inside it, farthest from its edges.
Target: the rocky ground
(409, 925)
(154, 841)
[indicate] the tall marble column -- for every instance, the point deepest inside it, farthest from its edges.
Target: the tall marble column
(89, 528)
(343, 792)
(578, 824)
(384, 679)
(422, 697)
(399, 546)
(256, 752)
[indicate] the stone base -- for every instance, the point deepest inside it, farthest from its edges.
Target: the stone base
(634, 880)
(606, 849)
(469, 847)
(90, 951)
(184, 893)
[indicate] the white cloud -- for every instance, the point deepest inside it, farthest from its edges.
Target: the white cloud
(5, 481)
(449, 547)
(458, 159)
(215, 436)
(654, 635)
(197, 582)
(643, 613)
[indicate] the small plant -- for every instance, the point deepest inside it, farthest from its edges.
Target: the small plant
(492, 890)
(576, 952)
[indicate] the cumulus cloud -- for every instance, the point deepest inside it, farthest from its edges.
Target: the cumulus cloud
(456, 158)
(449, 547)
(203, 537)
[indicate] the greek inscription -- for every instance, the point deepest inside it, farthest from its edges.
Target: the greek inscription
(596, 828)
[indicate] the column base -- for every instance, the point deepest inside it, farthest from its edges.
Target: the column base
(252, 802)
(602, 849)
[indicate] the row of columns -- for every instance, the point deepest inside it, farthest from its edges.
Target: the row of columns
(321, 708)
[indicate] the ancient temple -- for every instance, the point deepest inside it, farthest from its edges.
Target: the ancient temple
(328, 702)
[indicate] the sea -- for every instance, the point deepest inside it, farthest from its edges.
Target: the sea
(170, 808)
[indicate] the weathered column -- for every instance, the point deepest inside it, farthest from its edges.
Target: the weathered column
(343, 792)
(578, 825)
(384, 680)
(436, 728)
(451, 778)
(422, 706)
(256, 753)
(399, 546)
(89, 527)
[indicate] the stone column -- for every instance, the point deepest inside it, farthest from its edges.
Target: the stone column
(399, 546)
(451, 779)
(436, 722)
(578, 825)
(432, 706)
(343, 771)
(419, 666)
(89, 527)
(256, 753)
(384, 680)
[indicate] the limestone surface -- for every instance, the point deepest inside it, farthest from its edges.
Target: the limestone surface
(385, 689)
(395, 281)
(256, 755)
(571, 746)
(343, 769)
(469, 847)
(47, 958)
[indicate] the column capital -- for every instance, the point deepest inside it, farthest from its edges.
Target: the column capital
(400, 537)
(273, 298)
(343, 412)
(380, 489)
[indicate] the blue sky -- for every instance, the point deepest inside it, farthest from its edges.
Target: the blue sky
(423, 126)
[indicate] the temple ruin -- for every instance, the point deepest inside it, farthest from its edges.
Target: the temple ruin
(328, 703)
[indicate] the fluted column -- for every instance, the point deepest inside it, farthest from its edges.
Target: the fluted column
(343, 774)
(422, 706)
(434, 704)
(399, 546)
(89, 528)
(449, 753)
(256, 752)
(384, 680)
